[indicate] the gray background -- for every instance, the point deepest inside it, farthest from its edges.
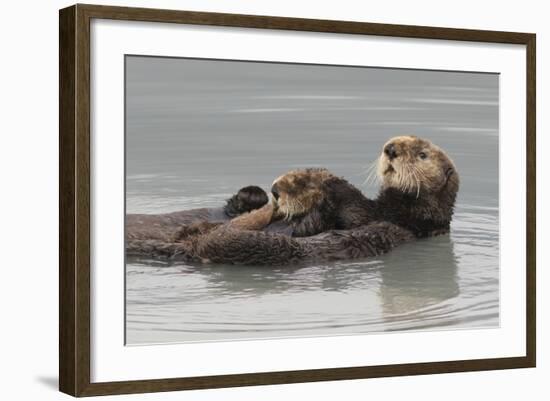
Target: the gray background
(197, 130)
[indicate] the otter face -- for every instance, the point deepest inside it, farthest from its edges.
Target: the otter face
(414, 165)
(299, 191)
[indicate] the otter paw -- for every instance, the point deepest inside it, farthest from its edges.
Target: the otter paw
(247, 199)
(255, 220)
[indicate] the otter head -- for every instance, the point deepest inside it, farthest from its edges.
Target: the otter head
(299, 191)
(416, 166)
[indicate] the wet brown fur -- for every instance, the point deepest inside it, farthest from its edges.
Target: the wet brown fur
(331, 219)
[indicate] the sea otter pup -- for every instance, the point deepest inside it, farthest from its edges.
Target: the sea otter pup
(417, 196)
(314, 200)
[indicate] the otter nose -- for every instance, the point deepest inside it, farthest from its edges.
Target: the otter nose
(390, 151)
(275, 191)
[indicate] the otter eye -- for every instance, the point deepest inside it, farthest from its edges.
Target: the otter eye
(422, 155)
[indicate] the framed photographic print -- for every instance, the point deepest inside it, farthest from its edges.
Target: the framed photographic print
(251, 200)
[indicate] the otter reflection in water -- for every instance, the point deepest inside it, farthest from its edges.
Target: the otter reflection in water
(409, 288)
(329, 218)
(413, 287)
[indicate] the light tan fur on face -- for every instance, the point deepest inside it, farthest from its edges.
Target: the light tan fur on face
(409, 172)
(299, 191)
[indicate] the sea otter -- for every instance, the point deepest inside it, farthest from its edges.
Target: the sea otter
(416, 199)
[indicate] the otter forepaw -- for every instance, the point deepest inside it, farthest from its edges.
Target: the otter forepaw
(247, 199)
(255, 220)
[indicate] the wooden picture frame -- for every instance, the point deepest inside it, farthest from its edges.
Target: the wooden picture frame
(74, 200)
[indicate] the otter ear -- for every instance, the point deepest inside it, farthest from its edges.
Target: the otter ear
(451, 177)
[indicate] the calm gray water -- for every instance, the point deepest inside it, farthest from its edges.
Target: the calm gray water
(198, 130)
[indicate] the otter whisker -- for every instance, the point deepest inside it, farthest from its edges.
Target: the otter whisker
(413, 171)
(411, 180)
(401, 182)
(408, 180)
(373, 175)
(420, 176)
(414, 180)
(368, 169)
(371, 179)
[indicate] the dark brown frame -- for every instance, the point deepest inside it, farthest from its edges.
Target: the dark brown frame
(74, 199)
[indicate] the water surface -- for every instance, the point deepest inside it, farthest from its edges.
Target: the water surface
(198, 130)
